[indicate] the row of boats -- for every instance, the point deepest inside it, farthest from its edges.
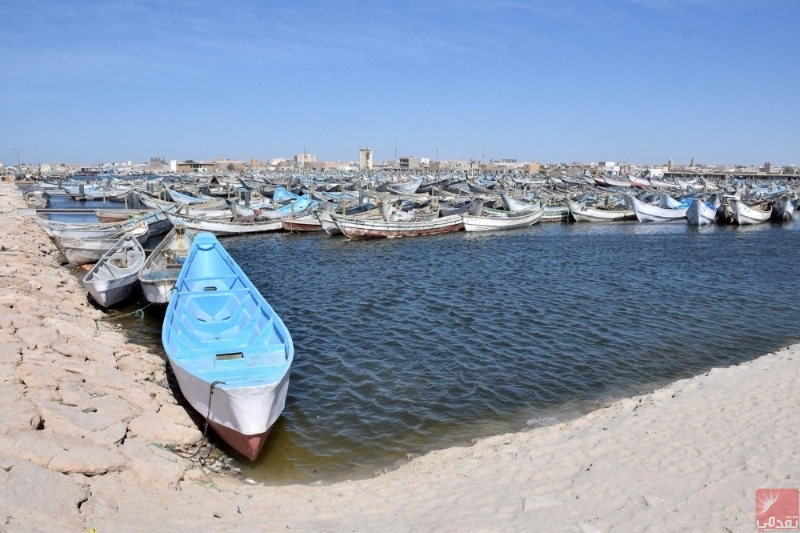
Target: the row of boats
(229, 350)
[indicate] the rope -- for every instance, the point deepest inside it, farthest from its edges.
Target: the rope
(208, 415)
(139, 313)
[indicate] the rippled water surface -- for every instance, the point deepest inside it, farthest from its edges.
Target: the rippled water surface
(407, 345)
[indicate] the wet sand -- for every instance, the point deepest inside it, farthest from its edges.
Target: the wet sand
(87, 428)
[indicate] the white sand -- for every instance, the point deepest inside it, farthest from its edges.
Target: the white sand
(688, 457)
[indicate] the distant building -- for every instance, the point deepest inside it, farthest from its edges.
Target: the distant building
(194, 166)
(254, 162)
(691, 165)
(173, 165)
(365, 159)
(531, 168)
(302, 159)
(410, 162)
(609, 168)
(669, 164)
(770, 168)
(158, 160)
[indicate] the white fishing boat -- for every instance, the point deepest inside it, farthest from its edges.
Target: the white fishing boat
(701, 213)
(783, 209)
(87, 251)
(157, 222)
(113, 278)
(222, 228)
(494, 222)
(161, 269)
(584, 213)
(655, 213)
(744, 214)
(366, 228)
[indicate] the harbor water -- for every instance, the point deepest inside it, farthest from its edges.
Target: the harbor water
(410, 345)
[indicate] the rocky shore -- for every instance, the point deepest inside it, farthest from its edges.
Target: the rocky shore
(91, 439)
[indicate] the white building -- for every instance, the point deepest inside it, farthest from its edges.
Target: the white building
(365, 159)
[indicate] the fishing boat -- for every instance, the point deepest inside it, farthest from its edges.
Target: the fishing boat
(231, 353)
(701, 213)
(584, 213)
(656, 213)
(639, 183)
(511, 220)
(784, 209)
(119, 215)
(79, 252)
(330, 227)
(160, 271)
(745, 214)
(157, 223)
(302, 224)
(555, 213)
(113, 278)
(223, 228)
(367, 228)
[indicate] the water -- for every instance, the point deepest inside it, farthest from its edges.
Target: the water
(408, 345)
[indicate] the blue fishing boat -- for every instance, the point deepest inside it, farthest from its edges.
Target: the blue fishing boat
(230, 352)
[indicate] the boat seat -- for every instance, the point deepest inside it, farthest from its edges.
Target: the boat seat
(219, 283)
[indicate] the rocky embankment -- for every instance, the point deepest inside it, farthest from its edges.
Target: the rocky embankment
(78, 401)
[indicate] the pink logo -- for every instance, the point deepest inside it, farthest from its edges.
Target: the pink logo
(777, 509)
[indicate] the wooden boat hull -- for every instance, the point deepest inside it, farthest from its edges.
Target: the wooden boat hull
(653, 213)
(222, 228)
(79, 252)
(482, 223)
(109, 285)
(583, 213)
(302, 224)
(162, 268)
(700, 213)
(359, 228)
(745, 215)
(230, 351)
(118, 215)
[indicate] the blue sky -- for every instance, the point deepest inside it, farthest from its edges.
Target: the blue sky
(573, 80)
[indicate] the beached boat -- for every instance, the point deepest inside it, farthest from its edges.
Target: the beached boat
(656, 213)
(701, 213)
(639, 183)
(231, 353)
(745, 214)
(584, 213)
(113, 278)
(186, 199)
(511, 220)
(223, 228)
(160, 271)
(367, 228)
(79, 252)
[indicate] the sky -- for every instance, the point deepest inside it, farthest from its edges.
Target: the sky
(572, 80)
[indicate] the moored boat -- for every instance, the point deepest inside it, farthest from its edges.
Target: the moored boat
(161, 269)
(222, 227)
(363, 228)
(745, 214)
(701, 213)
(231, 353)
(494, 222)
(584, 213)
(113, 278)
(656, 213)
(79, 252)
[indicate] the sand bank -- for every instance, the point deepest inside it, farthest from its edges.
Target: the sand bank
(84, 425)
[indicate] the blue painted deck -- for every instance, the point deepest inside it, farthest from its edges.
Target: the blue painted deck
(219, 327)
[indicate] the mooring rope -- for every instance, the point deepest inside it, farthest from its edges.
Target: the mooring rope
(208, 415)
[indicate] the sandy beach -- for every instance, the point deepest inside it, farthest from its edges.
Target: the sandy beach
(85, 427)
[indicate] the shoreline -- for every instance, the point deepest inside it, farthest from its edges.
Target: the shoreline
(84, 411)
